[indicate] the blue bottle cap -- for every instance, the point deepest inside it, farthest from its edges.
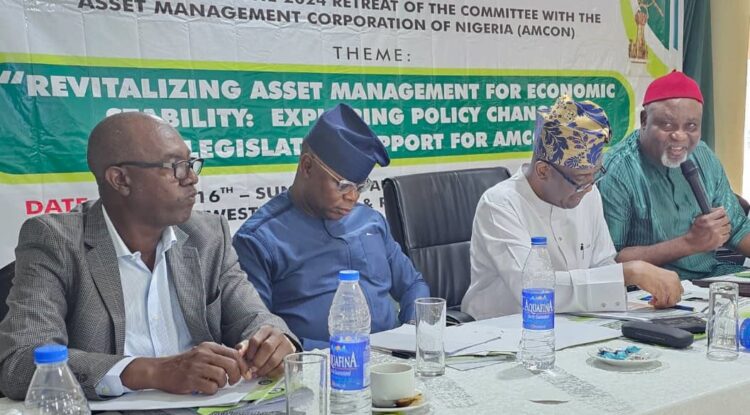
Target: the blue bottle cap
(538, 240)
(745, 334)
(348, 275)
(50, 353)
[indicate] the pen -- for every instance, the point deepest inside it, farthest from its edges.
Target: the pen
(403, 354)
(583, 256)
(677, 306)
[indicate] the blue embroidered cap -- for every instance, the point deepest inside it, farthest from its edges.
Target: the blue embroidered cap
(346, 144)
(571, 134)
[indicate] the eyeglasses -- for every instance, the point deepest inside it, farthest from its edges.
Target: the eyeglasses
(181, 168)
(580, 187)
(343, 186)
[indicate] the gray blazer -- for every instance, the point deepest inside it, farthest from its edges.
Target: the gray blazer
(67, 290)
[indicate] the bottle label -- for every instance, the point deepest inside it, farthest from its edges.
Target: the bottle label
(538, 308)
(350, 362)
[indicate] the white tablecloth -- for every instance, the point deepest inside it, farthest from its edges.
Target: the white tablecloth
(682, 382)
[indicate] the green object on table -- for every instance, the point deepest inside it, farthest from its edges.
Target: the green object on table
(269, 389)
(743, 274)
(208, 410)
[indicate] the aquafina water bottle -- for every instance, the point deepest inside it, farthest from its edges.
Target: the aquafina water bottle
(537, 349)
(54, 389)
(349, 328)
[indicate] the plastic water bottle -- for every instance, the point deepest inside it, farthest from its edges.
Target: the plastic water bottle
(745, 333)
(349, 328)
(54, 389)
(537, 349)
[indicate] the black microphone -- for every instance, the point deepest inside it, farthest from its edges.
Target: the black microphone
(690, 171)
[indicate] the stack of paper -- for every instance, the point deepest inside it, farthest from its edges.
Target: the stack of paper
(261, 391)
(469, 362)
(456, 339)
(694, 299)
(741, 278)
(567, 334)
(494, 335)
(638, 311)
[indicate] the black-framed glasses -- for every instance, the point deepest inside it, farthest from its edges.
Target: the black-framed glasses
(181, 168)
(580, 187)
(344, 186)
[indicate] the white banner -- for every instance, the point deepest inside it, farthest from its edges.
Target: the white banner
(445, 84)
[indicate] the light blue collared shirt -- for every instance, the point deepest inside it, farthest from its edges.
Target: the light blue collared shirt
(154, 323)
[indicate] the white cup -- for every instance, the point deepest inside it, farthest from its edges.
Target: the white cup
(390, 382)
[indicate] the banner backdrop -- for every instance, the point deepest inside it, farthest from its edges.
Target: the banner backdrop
(445, 84)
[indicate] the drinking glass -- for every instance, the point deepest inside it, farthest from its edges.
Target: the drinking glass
(430, 329)
(722, 327)
(306, 379)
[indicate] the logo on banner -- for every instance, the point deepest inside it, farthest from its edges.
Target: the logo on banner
(652, 14)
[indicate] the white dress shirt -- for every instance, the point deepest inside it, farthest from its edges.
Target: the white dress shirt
(578, 241)
(154, 323)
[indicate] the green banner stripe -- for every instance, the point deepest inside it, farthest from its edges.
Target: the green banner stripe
(241, 129)
(43, 178)
(6, 178)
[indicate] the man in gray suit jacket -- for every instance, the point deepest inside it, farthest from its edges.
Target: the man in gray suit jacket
(144, 292)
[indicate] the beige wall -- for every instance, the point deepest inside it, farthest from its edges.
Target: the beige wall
(730, 24)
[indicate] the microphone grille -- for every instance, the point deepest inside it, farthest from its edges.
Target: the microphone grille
(688, 167)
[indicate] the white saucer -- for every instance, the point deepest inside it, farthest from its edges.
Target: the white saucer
(649, 356)
(403, 408)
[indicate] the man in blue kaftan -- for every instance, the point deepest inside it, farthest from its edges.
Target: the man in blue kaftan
(293, 247)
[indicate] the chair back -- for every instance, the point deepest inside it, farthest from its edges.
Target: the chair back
(6, 280)
(431, 217)
(726, 254)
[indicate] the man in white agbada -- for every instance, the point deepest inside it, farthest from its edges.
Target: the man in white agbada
(555, 196)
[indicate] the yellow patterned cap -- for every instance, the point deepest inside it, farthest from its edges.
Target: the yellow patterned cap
(571, 134)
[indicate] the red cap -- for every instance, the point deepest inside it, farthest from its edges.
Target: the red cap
(674, 85)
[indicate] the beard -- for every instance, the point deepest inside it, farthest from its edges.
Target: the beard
(669, 163)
